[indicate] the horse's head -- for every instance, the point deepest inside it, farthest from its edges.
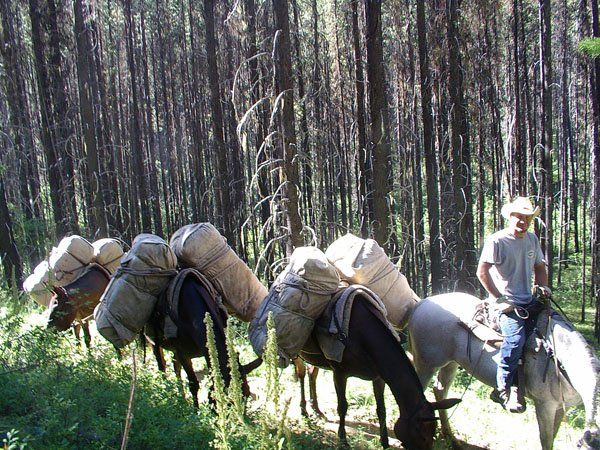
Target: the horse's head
(417, 431)
(590, 440)
(62, 310)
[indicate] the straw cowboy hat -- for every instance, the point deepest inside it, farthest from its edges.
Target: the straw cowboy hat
(520, 205)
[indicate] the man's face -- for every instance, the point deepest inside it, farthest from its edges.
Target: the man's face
(519, 223)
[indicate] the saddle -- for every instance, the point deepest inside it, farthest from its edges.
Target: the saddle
(169, 301)
(485, 325)
(333, 327)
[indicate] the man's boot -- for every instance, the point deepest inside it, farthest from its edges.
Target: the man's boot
(513, 403)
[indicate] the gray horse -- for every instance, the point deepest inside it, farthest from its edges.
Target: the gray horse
(440, 342)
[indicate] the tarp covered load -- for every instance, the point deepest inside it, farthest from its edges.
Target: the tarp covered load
(38, 285)
(108, 253)
(201, 246)
(363, 261)
(132, 293)
(70, 258)
(297, 298)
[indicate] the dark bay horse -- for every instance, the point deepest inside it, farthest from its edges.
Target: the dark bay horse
(372, 352)
(73, 303)
(194, 302)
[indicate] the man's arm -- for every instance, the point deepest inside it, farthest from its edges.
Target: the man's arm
(541, 275)
(483, 273)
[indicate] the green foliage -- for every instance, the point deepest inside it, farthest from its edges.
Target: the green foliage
(61, 396)
(13, 442)
(590, 47)
(231, 428)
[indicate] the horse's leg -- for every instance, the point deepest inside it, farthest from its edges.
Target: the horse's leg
(177, 369)
(440, 389)
(77, 332)
(547, 413)
(300, 372)
(87, 338)
(313, 372)
(159, 355)
(340, 379)
(378, 391)
(193, 383)
(424, 371)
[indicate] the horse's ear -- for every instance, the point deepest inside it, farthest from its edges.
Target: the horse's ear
(247, 368)
(446, 403)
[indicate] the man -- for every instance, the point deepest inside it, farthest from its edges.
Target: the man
(508, 260)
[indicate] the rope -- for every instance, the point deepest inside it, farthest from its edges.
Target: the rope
(129, 416)
(146, 272)
(470, 378)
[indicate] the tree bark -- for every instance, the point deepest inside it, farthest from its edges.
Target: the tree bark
(285, 90)
(379, 149)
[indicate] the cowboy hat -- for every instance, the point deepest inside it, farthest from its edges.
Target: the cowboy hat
(520, 205)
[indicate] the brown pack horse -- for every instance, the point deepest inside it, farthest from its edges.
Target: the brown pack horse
(75, 302)
(372, 352)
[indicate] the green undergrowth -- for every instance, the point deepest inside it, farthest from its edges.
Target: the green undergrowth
(56, 394)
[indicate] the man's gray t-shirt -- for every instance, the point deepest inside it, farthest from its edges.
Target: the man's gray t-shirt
(513, 259)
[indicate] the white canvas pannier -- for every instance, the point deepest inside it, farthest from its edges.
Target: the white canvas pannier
(132, 293)
(201, 246)
(70, 258)
(38, 286)
(363, 261)
(297, 299)
(108, 253)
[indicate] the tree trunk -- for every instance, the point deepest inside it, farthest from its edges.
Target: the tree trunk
(223, 199)
(9, 255)
(431, 165)
(285, 91)
(379, 151)
(466, 261)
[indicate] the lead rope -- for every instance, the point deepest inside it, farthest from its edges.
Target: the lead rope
(129, 416)
(471, 377)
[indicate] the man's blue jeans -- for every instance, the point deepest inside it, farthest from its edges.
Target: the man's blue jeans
(515, 330)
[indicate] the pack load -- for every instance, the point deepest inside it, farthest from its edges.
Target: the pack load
(296, 300)
(108, 253)
(363, 261)
(38, 285)
(201, 246)
(133, 291)
(70, 258)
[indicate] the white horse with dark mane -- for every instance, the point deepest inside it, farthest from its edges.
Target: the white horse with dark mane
(440, 342)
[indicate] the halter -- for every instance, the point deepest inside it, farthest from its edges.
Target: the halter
(418, 409)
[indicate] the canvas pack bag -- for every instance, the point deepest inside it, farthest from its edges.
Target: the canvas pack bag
(363, 261)
(70, 258)
(38, 285)
(108, 253)
(296, 300)
(201, 246)
(133, 291)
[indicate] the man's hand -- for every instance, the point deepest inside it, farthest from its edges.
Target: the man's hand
(545, 291)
